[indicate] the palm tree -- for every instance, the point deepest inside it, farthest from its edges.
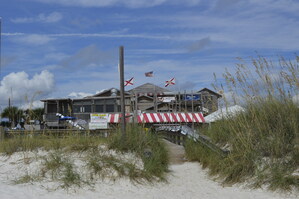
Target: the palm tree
(14, 114)
(35, 114)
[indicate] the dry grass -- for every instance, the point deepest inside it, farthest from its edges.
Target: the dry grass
(264, 140)
(77, 160)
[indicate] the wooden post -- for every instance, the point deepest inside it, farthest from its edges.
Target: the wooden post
(155, 100)
(180, 105)
(192, 110)
(136, 107)
(9, 109)
(122, 91)
(186, 109)
(1, 133)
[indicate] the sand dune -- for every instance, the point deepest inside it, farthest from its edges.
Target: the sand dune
(186, 180)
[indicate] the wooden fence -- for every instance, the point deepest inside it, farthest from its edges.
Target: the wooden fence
(55, 132)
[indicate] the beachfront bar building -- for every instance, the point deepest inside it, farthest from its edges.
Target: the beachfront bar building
(147, 98)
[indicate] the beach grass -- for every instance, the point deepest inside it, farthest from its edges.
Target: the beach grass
(147, 145)
(75, 160)
(263, 140)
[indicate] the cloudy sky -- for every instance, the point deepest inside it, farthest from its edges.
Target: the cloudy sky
(63, 48)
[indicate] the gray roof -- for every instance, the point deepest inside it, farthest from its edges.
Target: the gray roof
(55, 99)
(148, 88)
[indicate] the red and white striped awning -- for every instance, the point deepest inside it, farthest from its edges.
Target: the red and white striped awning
(161, 118)
(115, 118)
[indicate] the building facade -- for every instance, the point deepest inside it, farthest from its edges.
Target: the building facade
(147, 98)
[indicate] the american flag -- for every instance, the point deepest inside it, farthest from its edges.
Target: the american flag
(149, 74)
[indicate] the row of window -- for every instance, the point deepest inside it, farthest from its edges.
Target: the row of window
(106, 108)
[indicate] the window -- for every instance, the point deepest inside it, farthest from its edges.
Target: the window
(82, 109)
(99, 108)
(76, 108)
(52, 108)
(86, 108)
(109, 101)
(109, 108)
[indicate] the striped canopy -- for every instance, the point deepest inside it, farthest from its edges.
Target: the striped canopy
(160, 118)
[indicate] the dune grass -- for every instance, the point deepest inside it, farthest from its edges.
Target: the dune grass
(75, 160)
(147, 145)
(263, 140)
(67, 142)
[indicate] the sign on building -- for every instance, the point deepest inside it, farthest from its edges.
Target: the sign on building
(188, 97)
(98, 121)
(166, 99)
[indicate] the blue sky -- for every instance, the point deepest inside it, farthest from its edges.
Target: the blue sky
(67, 48)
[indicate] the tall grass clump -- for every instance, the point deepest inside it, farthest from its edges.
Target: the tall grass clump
(75, 160)
(146, 145)
(264, 139)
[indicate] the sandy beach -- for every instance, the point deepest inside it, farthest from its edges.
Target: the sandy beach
(186, 180)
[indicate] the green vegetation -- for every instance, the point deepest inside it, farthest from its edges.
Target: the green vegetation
(30, 142)
(13, 113)
(34, 114)
(17, 115)
(263, 140)
(147, 145)
(101, 164)
(82, 159)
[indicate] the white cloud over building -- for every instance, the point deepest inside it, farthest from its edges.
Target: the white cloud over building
(19, 87)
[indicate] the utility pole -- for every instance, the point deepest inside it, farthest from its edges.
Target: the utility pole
(122, 91)
(0, 44)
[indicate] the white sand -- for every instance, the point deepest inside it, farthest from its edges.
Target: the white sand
(186, 180)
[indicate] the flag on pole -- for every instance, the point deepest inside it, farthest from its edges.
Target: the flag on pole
(170, 82)
(129, 82)
(149, 74)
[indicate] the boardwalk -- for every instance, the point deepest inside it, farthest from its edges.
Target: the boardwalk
(176, 153)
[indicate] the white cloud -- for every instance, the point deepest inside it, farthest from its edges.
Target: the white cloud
(13, 34)
(113, 34)
(20, 88)
(78, 95)
(33, 39)
(42, 18)
(32, 105)
(245, 24)
(127, 3)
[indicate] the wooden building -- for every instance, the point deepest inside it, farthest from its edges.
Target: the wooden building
(152, 98)
(107, 101)
(147, 98)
